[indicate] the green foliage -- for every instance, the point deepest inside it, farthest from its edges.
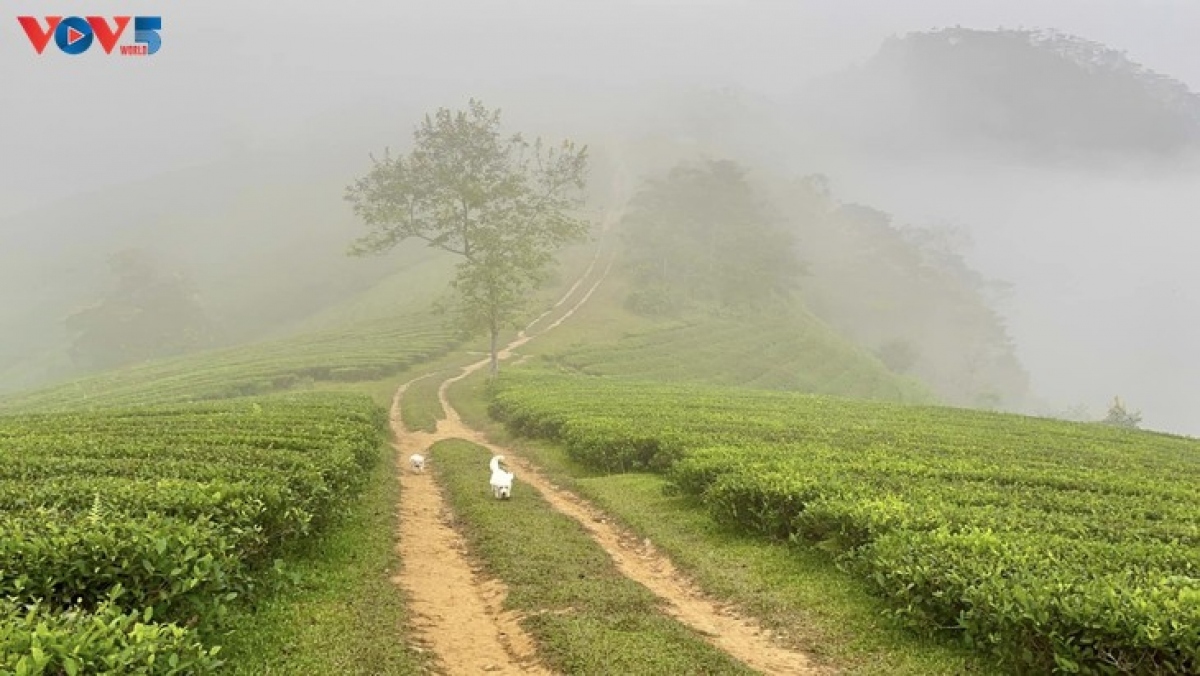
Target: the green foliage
(169, 510)
(653, 300)
(109, 640)
(502, 204)
(1058, 547)
(792, 589)
(898, 355)
(702, 235)
(146, 314)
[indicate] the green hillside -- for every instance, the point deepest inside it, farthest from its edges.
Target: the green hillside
(358, 352)
(683, 303)
(786, 349)
(261, 237)
(790, 352)
(374, 333)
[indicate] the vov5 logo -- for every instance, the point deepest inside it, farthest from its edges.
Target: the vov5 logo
(75, 34)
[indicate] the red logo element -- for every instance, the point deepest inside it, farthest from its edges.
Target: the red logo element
(37, 37)
(107, 36)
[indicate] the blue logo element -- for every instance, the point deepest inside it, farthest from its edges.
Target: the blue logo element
(145, 32)
(74, 35)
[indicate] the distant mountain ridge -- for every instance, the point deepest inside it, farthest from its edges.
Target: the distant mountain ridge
(1034, 94)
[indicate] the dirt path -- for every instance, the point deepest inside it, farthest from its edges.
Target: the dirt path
(638, 560)
(459, 612)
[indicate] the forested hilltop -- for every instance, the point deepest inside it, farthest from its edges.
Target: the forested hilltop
(722, 238)
(1035, 95)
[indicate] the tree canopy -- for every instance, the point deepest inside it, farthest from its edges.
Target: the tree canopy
(702, 235)
(1119, 416)
(147, 313)
(502, 203)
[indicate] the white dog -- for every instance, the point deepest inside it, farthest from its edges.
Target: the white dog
(417, 461)
(501, 480)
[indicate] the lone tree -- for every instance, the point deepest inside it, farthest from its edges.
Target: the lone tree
(702, 235)
(501, 203)
(147, 313)
(898, 355)
(1120, 417)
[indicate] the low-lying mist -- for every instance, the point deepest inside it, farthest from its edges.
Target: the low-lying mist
(1105, 295)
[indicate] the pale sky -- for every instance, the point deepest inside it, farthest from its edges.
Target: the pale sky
(264, 67)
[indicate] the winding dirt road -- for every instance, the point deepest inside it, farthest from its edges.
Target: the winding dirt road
(457, 611)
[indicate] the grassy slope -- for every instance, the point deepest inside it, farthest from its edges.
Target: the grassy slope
(421, 275)
(355, 353)
(377, 332)
(262, 236)
(419, 407)
(791, 350)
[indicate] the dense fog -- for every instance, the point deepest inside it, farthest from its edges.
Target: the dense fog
(198, 155)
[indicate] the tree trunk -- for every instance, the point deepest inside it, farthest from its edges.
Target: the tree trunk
(495, 367)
